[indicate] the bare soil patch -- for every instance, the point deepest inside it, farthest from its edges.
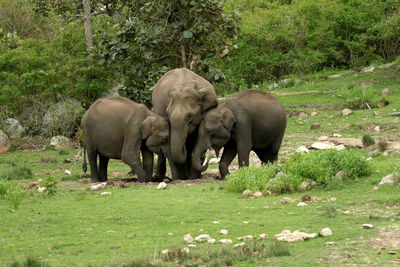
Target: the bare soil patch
(386, 239)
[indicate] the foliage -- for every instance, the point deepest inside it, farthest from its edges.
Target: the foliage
(16, 172)
(11, 192)
(326, 168)
(50, 183)
(29, 262)
(367, 140)
(359, 98)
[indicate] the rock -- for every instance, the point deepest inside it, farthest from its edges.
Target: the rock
(99, 186)
(245, 222)
(246, 237)
(323, 138)
(106, 194)
(62, 117)
(302, 149)
(346, 112)
(239, 245)
(386, 92)
(301, 204)
(376, 113)
(336, 135)
(191, 245)
(161, 186)
(287, 236)
(165, 251)
(306, 197)
(185, 250)
(225, 241)
(188, 238)
(325, 232)
(322, 145)
(61, 142)
(347, 212)
(247, 193)
(5, 142)
(387, 180)
(377, 129)
(348, 142)
(13, 128)
(202, 238)
(367, 226)
(263, 236)
(114, 90)
(332, 199)
(214, 160)
(215, 222)
(340, 147)
(257, 194)
(41, 189)
(211, 241)
(368, 69)
(313, 183)
(315, 126)
(330, 243)
(304, 185)
(375, 188)
(223, 232)
(170, 234)
(68, 172)
(313, 114)
(287, 200)
(32, 116)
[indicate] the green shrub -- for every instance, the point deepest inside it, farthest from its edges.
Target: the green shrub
(50, 184)
(327, 168)
(359, 98)
(17, 173)
(367, 140)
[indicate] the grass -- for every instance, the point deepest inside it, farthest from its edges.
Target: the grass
(78, 227)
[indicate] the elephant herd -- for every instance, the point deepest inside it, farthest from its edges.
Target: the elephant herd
(186, 121)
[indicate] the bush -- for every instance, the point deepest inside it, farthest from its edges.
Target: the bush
(359, 98)
(326, 168)
(367, 140)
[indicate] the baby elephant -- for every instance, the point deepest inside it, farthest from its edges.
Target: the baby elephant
(118, 128)
(251, 120)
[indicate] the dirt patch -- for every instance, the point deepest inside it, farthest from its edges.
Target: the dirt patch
(33, 144)
(386, 239)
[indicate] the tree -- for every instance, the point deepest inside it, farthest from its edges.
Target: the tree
(88, 24)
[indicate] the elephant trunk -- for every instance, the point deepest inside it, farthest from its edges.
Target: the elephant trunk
(202, 145)
(178, 147)
(197, 162)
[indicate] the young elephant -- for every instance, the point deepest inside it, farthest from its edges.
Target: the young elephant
(252, 120)
(118, 128)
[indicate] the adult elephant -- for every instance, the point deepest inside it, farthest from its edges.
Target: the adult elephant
(251, 120)
(182, 96)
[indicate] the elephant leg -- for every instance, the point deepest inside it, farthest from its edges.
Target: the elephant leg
(192, 173)
(148, 161)
(226, 159)
(103, 164)
(92, 157)
(161, 168)
(271, 154)
(243, 151)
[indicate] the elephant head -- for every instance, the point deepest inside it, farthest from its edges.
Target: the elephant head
(214, 132)
(155, 130)
(184, 111)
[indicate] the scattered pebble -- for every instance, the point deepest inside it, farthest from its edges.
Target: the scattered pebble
(347, 212)
(257, 194)
(165, 251)
(161, 186)
(215, 222)
(188, 238)
(301, 204)
(191, 245)
(99, 186)
(263, 236)
(106, 194)
(223, 232)
(225, 241)
(239, 245)
(313, 114)
(330, 243)
(346, 112)
(246, 237)
(392, 252)
(170, 234)
(332, 199)
(287, 236)
(387, 180)
(67, 172)
(287, 200)
(323, 138)
(247, 193)
(211, 241)
(185, 250)
(246, 222)
(41, 189)
(202, 238)
(302, 149)
(375, 188)
(367, 226)
(325, 232)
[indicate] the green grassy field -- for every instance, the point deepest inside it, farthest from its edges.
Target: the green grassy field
(78, 227)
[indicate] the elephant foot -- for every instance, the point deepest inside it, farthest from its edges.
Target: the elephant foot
(162, 178)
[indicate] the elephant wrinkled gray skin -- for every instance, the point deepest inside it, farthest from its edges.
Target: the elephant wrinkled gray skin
(182, 96)
(252, 120)
(118, 128)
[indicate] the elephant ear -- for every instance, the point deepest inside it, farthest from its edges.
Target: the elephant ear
(228, 119)
(146, 128)
(208, 98)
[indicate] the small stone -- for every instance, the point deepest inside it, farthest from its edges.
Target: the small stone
(367, 226)
(68, 172)
(387, 180)
(287, 200)
(201, 230)
(165, 251)
(346, 112)
(392, 252)
(161, 186)
(340, 147)
(377, 129)
(368, 159)
(376, 113)
(214, 161)
(191, 245)
(313, 114)
(301, 204)
(211, 241)
(215, 222)
(41, 189)
(246, 222)
(247, 193)
(263, 236)
(5, 142)
(257, 194)
(170, 234)
(336, 135)
(223, 232)
(323, 138)
(99, 186)
(185, 250)
(225, 241)
(332, 199)
(313, 183)
(106, 194)
(325, 232)
(239, 245)
(386, 92)
(202, 238)
(287, 236)
(347, 212)
(302, 149)
(375, 188)
(315, 126)
(304, 185)
(188, 238)
(330, 243)
(246, 237)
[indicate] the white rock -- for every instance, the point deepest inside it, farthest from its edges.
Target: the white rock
(325, 232)
(368, 159)
(191, 245)
(322, 145)
(215, 222)
(347, 212)
(313, 183)
(375, 188)
(211, 241)
(377, 129)
(287, 200)
(185, 250)
(302, 149)
(368, 69)
(99, 186)
(223, 232)
(387, 180)
(313, 114)
(246, 222)
(246, 237)
(41, 189)
(304, 185)
(239, 245)
(346, 112)
(263, 236)
(106, 194)
(386, 92)
(13, 128)
(225, 241)
(68, 172)
(301, 204)
(165, 251)
(188, 238)
(247, 193)
(202, 238)
(340, 147)
(214, 160)
(161, 186)
(323, 138)
(336, 135)
(61, 142)
(367, 226)
(287, 236)
(330, 243)
(170, 234)
(257, 194)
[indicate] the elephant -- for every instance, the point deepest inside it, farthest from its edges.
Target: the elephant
(118, 128)
(251, 120)
(182, 97)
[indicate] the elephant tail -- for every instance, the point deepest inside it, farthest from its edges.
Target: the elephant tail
(84, 164)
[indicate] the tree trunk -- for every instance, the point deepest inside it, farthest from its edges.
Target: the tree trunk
(88, 24)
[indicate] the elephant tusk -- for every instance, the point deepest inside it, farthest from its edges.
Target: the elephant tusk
(205, 161)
